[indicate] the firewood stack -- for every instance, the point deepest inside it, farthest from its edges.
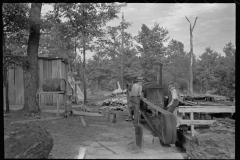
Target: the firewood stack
(122, 101)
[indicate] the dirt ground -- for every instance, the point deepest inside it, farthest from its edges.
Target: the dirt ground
(106, 141)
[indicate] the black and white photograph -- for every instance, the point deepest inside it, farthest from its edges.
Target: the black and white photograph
(119, 80)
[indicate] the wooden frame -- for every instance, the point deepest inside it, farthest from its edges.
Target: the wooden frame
(199, 109)
(52, 93)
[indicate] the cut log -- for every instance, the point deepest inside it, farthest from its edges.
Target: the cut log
(28, 141)
(112, 117)
(83, 121)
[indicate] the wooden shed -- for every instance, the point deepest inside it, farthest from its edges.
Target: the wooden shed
(48, 68)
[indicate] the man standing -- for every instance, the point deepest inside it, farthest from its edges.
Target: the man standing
(172, 98)
(136, 93)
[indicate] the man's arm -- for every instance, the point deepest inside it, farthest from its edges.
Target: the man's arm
(174, 96)
(140, 92)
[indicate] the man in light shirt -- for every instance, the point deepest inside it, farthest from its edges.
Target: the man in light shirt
(136, 93)
(172, 98)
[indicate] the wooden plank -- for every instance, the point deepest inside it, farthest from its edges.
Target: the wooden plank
(96, 125)
(22, 85)
(83, 121)
(207, 109)
(58, 104)
(59, 75)
(192, 126)
(87, 113)
(45, 76)
(106, 147)
(19, 84)
(202, 122)
(11, 87)
(40, 73)
(50, 76)
(33, 120)
(81, 153)
(75, 112)
(154, 106)
(60, 92)
(54, 75)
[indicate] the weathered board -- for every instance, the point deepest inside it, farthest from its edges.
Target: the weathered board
(48, 68)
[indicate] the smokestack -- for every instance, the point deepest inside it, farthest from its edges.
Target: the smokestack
(160, 74)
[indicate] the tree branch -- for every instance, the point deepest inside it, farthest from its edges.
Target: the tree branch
(194, 23)
(188, 20)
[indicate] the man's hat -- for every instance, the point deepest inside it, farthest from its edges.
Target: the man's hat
(139, 79)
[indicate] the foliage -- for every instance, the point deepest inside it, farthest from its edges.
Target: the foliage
(151, 48)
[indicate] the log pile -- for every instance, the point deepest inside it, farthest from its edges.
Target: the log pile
(121, 101)
(28, 141)
(217, 143)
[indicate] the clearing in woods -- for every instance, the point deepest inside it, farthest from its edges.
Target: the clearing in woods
(101, 138)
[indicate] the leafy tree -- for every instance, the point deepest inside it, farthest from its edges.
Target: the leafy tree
(225, 72)
(86, 19)
(176, 64)
(206, 68)
(151, 48)
(15, 25)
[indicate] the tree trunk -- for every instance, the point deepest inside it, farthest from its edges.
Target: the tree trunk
(31, 72)
(122, 54)
(190, 66)
(27, 141)
(191, 57)
(84, 80)
(5, 74)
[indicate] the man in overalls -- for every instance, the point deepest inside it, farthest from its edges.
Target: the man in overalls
(172, 98)
(136, 93)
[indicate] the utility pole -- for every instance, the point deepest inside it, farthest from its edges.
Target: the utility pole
(122, 48)
(191, 57)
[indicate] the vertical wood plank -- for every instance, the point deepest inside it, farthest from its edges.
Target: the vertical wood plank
(21, 80)
(45, 76)
(59, 75)
(50, 76)
(40, 65)
(11, 87)
(19, 86)
(192, 126)
(64, 77)
(54, 75)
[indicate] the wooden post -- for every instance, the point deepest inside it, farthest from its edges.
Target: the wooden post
(192, 125)
(58, 104)
(75, 93)
(138, 137)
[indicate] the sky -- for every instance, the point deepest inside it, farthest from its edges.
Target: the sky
(215, 26)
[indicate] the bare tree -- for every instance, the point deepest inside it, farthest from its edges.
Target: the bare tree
(191, 56)
(122, 50)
